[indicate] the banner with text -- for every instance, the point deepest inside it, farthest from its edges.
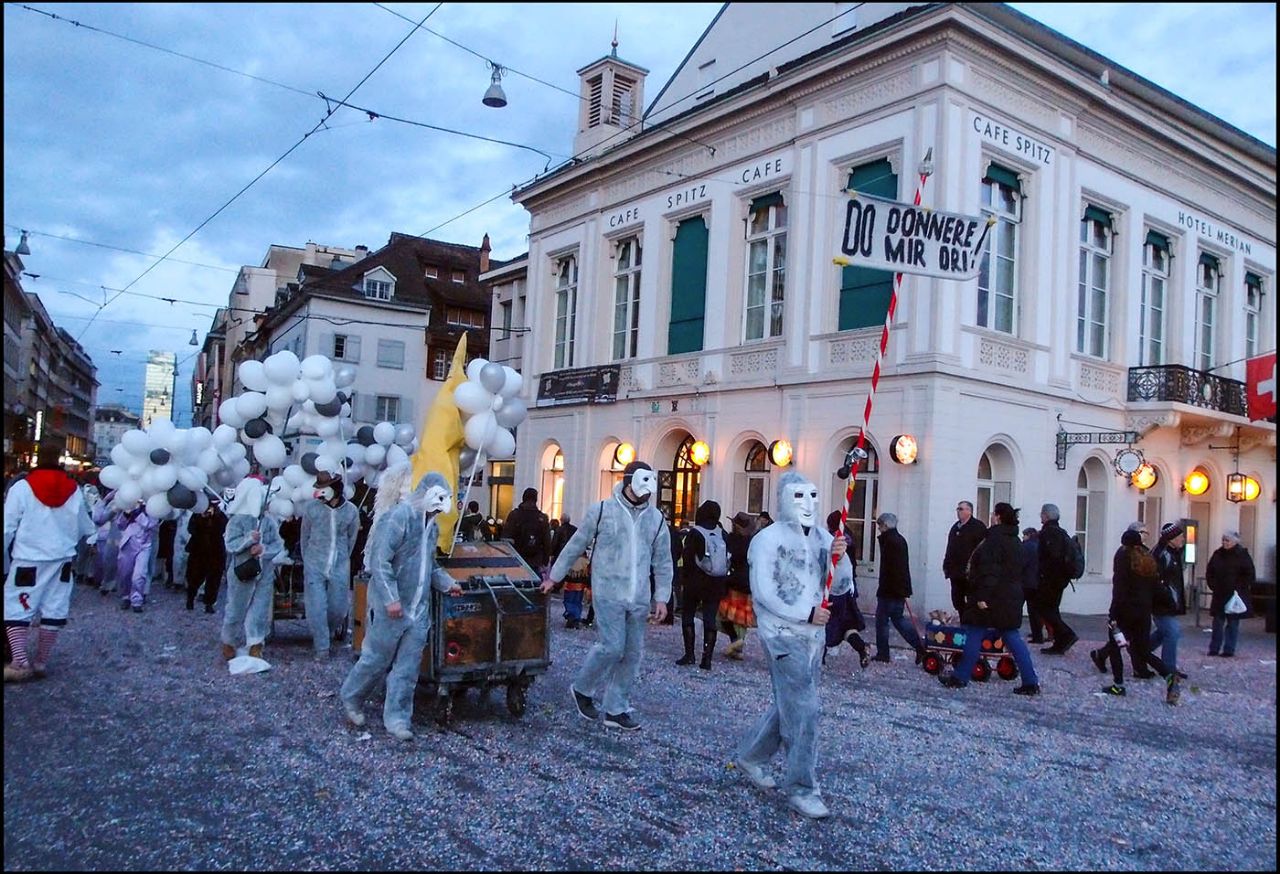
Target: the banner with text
(887, 235)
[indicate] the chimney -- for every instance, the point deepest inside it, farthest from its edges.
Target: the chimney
(361, 251)
(484, 254)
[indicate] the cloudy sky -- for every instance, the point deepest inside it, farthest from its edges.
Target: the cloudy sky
(114, 142)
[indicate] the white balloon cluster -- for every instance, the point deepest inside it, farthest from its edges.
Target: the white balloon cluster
(489, 399)
(169, 468)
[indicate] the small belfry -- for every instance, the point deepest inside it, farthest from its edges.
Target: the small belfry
(612, 102)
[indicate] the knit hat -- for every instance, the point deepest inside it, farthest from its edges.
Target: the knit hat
(1131, 538)
(1170, 530)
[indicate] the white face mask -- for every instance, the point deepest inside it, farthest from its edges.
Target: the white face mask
(644, 483)
(326, 494)
(436, 500)
(806, 500)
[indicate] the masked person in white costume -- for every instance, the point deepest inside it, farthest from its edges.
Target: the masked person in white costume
(251, 533)
(789, 562)
(402, 558)
(329, 527)
(631, 541)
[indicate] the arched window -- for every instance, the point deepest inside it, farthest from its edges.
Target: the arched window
(687, 476)
(1091, 513)
(756, 474)
(995, 481)
(864, 507)
(610, 471)
(553, 485)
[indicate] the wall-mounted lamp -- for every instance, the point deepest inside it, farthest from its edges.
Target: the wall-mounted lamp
(700, 453)
(780, 453)
(1196, 483)
(903, 449)
(624, 454)
(1242, 488)
(1145, 476)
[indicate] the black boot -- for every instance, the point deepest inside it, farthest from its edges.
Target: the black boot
(860, 647)
(687, 631)
(708, 647)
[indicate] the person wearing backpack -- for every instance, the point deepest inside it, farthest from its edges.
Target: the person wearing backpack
(1057, 568)
(705, 574)
(529, 531)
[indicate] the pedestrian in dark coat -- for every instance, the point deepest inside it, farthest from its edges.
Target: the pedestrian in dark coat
(1031, 582)
(962, 540)
(528, 528)
(894, 590)
(207, 555)
(1230, 572)
(995, 574)
(1055, 575)
(1170, 600)
(1134, 580)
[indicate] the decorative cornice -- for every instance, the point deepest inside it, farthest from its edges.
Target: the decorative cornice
(1193, 435)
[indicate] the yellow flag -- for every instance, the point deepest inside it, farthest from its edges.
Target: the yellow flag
(440, 441)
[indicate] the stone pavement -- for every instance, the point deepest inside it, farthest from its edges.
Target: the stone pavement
(139, 751)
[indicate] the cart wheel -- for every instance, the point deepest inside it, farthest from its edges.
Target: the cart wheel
(515, 699)
(932, 664)
(982, 671)
(1006, 669)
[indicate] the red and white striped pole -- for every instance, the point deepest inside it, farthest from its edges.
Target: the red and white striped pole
(924, 171)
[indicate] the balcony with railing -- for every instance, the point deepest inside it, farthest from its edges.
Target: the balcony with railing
(1177, 383)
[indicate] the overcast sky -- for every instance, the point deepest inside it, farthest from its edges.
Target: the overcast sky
(114, 143)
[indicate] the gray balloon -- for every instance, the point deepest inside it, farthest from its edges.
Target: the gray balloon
(180, 497)
(404, 435)
(466, 458)
(493, 377)
(513, 412)
(159, 457)
(332, 408)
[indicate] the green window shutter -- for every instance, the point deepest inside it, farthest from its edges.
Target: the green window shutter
(1003, 175)
(864, 293)
(1095, 214)
(1207, 260)
(1158, 240)
(1252, 280)
(764, 201)
(688, 286)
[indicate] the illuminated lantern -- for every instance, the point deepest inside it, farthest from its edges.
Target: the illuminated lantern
(1144, 477)
(903, 449)
(1196, 483)
(780, 453)
(624, 454)
(1252, 488)
(700, 453)
(1242, 488)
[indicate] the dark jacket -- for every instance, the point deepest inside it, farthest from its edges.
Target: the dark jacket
(961, 542)
(1230, 572)
(995, 577)
(206, 548)
(1134, 579)
(895, 566)
(1054, 556)
(1030, 565)
(693, 578)
(1171, 597)
(737, 545)
(470, 525)
(561, 537)
(529, 529)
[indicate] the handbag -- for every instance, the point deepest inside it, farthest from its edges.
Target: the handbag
(1235, 605)
(249, 569)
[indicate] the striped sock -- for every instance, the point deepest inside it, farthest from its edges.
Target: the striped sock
(17, 635)
(48, 637)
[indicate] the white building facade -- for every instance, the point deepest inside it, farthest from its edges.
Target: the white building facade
(681, 287)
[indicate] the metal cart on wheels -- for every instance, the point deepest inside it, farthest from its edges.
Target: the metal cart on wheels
(493, 634)
(946, 643)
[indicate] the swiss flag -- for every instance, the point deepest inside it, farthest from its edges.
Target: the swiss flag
(1260, 382)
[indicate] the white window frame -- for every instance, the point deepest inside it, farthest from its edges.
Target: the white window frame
(339, 356)
(505, 308)
(1004, 217)
(1253, 315)
(566, 313)
(773, 292)
(440, 364)
(387, 358)
(1093, 295)
(377, 289)
(383, 405)
(1153, 326)
(458, 277)
(628, 262)
(432, 272)
(1208, 292)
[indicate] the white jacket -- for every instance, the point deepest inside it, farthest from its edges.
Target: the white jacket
(39, 532)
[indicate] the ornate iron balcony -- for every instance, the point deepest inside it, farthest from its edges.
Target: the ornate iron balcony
(1181, 384)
